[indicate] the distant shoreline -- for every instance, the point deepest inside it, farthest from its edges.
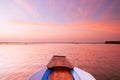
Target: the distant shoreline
(112, 42)
(106, 42)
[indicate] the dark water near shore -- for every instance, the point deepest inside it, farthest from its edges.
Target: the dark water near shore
(18, 61)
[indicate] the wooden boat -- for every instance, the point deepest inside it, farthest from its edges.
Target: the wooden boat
(59, 68)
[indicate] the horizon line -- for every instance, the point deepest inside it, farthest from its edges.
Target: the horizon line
(51, 42)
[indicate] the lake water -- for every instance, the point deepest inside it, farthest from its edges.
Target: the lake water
(19, 61)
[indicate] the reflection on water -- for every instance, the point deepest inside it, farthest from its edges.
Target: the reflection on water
(17, 62)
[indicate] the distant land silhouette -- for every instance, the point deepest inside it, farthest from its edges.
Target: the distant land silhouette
(112, 42)
(106, 42)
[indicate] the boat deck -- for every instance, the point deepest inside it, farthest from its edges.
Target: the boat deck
(60, 74)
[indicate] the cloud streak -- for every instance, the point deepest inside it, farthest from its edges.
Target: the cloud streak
(27, 7)
(85, 31)
(85, 9)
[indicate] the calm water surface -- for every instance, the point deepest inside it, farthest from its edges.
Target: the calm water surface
(18, 61)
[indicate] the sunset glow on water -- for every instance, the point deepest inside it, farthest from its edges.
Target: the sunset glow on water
(18, 62)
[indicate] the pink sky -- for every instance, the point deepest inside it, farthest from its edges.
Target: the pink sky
(59, 20)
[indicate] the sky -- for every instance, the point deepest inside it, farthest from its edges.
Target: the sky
(59, 20)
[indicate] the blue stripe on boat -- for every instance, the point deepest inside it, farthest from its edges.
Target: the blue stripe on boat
(39, 74)
(45, 77)
(75, 76)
